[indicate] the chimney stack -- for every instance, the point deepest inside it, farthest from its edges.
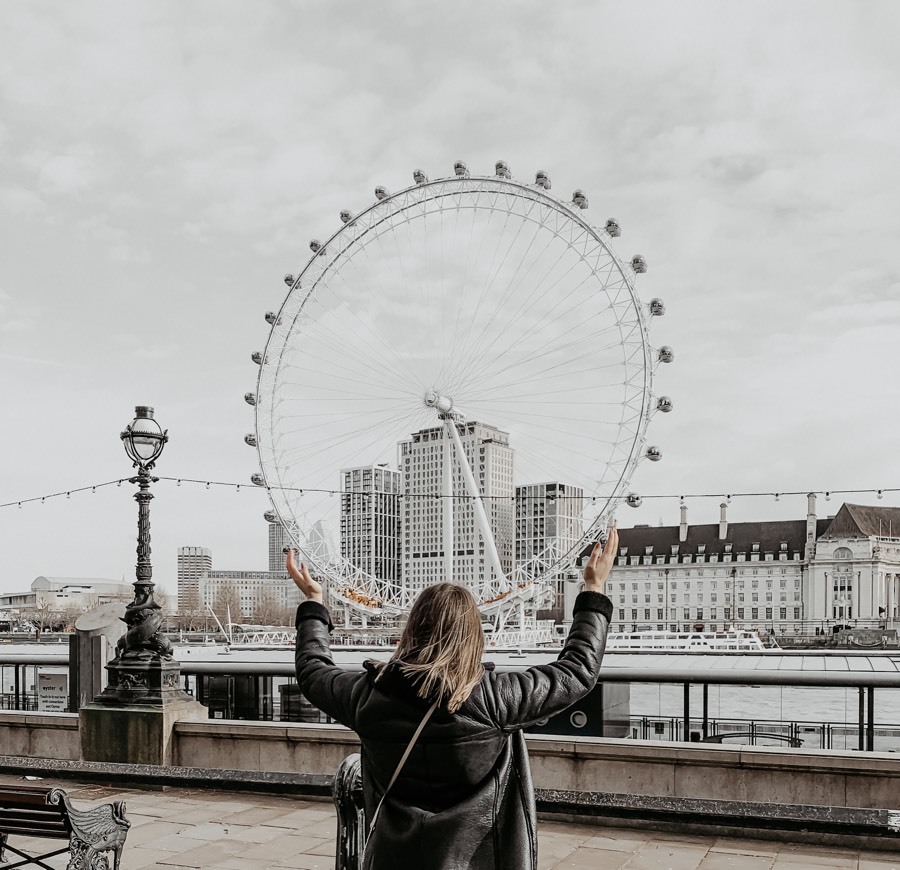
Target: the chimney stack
(810, 524)
(682, 529)
(723, 522)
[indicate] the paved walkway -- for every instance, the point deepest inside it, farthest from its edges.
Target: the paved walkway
(182, 828)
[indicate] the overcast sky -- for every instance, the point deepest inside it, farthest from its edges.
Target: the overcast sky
(163, 164)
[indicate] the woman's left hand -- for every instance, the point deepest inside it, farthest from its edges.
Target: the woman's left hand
(305, 583)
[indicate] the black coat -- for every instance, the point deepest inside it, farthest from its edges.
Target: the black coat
(464, 798)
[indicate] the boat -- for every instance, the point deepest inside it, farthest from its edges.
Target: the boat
(732, 640)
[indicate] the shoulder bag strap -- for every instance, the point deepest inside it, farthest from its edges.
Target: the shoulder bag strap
(402, 761)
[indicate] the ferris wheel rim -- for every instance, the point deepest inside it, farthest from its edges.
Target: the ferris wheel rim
(441, 188)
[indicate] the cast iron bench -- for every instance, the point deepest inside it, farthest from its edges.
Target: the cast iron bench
(29, 811)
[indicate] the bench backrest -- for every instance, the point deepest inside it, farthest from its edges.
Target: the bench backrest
(26, 810)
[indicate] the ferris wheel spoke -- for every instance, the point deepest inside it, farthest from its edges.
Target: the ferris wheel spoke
(350, 345)
(475, 352)
(468, 351)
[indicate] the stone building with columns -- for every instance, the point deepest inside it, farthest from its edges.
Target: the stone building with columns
(782, 576)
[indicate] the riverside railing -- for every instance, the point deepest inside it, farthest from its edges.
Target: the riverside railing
(196, 672)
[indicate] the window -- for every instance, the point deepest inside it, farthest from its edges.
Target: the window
(754, 613)
(740, 611)
(659, 615)
(621, 613)
(699, 613)
(647, 614)
(768, 613)
(634, 614)
(796, 613)
(782, 613)
(687, 613)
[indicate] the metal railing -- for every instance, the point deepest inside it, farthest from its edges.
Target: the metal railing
(265, 707)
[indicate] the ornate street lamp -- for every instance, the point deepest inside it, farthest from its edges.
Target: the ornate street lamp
(143, 670)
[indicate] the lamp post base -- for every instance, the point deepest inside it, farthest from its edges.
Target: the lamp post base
(140, 681)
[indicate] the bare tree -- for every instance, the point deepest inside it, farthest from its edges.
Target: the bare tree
(191, 612)
(227, 603)
(266, 609)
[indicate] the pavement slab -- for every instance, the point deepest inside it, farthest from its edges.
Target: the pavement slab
(194, 829)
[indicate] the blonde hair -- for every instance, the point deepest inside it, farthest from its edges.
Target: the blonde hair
(442, 644)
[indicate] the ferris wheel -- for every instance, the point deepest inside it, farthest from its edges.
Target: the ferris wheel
(456, 303)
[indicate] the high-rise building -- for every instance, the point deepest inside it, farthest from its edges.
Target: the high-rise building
(550, 515)
(422, 462)
(193, 564)
(278, 540)
(370, 520)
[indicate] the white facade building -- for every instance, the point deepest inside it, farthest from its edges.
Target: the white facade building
(370, 520)
(193, 564)
(785, 576)
(422, 462)
(249, 589)
(66, 594)
(278, 540)
(550, 515)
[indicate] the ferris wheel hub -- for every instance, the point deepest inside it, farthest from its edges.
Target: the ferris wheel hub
(440, 403)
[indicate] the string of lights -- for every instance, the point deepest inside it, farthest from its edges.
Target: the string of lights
(208, 484)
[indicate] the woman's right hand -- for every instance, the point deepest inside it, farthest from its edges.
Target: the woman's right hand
(600, 562)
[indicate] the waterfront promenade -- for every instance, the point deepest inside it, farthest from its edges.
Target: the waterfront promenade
(185, 828)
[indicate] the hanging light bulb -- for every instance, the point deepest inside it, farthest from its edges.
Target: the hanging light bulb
(237, 488)
(827, 496)
(880, 494)
(178, 482)
(207, 484)
(728, 499)
(93, 489)
(777, 496)
(20, 505)
(68, 495)
(42, 499)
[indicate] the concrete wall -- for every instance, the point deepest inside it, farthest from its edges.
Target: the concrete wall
(40, 735)
(761, 774)
(728, 773)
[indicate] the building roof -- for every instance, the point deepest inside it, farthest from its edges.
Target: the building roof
(741, 536)
(97, 584)
(863, 521)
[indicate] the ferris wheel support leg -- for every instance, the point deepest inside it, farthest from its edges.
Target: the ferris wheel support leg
(480, 516)
(448, 507)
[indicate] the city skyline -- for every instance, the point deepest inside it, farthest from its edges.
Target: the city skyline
(149, 217)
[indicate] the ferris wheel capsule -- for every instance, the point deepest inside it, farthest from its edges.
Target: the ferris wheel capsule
(654, 454)
(346, 216)
(250, 398)
(579, 199)
(316, 246)
(419, 177)
(613, 229)
(664, 404)
(257, 479)
(633, 500)
(657, 307)
(461, 169)
(272, 318)
(289, 279)
(501, 169)
(666, 354)
(381, 192)
(639, 264)
(541, 179)
(270, 516)
(250, 440)
(257, 357)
